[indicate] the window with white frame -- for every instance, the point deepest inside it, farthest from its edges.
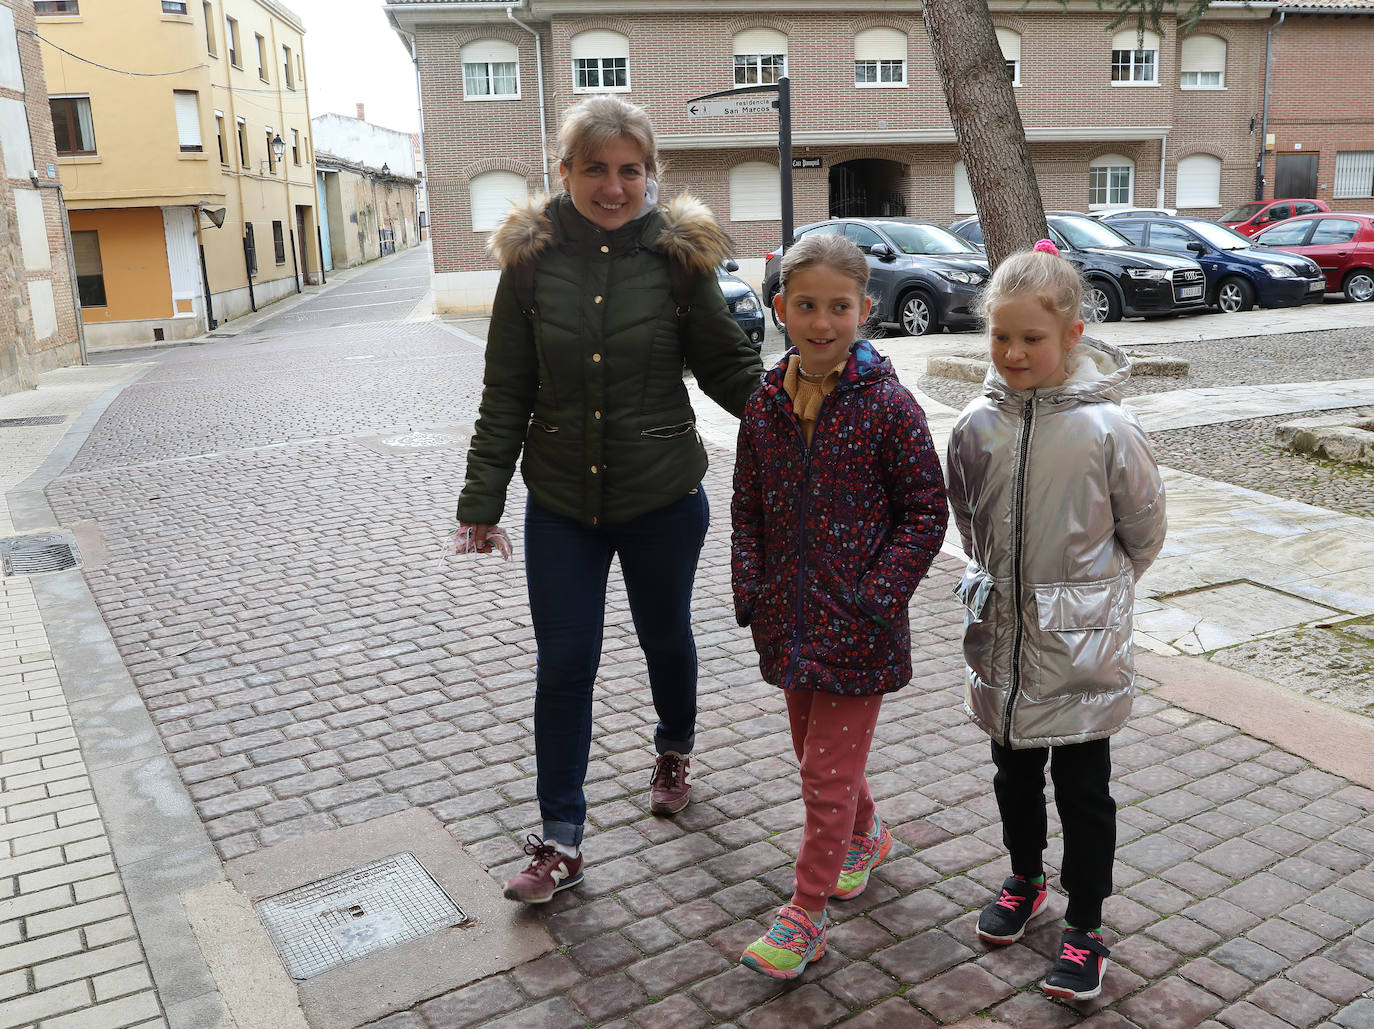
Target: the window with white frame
(755, 192)
(880, 58)
(1010, 42)
(186, 106)
(491, 70)
(1354, 174)
(760, 57)
(491, 195)
(963, 192)
(1199, 181)
(1202, 63)
(601, 62)
(1111, 181)
(1135, 58)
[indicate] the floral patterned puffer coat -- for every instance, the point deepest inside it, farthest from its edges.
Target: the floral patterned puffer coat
(830, 540)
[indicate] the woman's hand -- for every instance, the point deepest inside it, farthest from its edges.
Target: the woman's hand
(473, 538)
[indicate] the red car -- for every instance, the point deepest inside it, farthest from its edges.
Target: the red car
(1248, 219)
(1340, 242)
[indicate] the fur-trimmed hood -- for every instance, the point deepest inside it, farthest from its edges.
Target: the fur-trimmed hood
(684, 230)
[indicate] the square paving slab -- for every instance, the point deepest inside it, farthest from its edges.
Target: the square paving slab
(1220, 616)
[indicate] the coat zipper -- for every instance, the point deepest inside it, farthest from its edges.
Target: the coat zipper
(801, 560)
(1018, 524)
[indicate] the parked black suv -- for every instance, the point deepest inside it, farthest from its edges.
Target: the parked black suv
(1120, 277)
(922, 277)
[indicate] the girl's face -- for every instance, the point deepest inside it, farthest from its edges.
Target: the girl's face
(607, 185)
(1029, 344)
(823, 311)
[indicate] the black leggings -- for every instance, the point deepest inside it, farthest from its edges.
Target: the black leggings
(1081, 774)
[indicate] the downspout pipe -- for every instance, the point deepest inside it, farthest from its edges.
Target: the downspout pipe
(1264, 115)
(1163, 160)
(539, 75)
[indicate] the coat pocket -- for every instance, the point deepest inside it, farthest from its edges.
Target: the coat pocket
(1081, 640)
(1074, 606)
(974, 589)
(668, 431)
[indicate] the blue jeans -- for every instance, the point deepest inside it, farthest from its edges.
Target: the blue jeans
(566, 568)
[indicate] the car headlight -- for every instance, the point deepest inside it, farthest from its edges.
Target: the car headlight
(1280, 271)
(748, 304)
(1151, 274)
(969, 278)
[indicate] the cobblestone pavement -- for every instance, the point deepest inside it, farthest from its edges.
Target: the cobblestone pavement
(274, 508)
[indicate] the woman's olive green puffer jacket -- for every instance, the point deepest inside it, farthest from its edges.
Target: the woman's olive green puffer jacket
(589, 384)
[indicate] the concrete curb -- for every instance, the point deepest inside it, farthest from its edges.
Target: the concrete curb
(1334, 741)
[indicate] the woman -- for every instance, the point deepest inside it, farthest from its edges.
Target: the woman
(604, 297)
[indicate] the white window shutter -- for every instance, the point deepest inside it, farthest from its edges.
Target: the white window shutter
(1199, 181)
(760, 41)
(490, 51)
(1203, 54)
(598, 43)
(1354, 174)
(492, 194)
(188, 118)
(755, 192)
(1010, 42)
(1130, 39)
(963, 192)
(880, 45)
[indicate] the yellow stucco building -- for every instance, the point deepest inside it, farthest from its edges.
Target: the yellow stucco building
(172, 135)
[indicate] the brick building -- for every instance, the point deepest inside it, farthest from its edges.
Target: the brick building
(38, 327)
(1112, 118)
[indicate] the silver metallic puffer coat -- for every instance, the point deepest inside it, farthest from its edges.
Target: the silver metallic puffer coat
(1060, 506)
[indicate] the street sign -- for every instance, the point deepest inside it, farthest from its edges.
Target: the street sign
(806, 162)
(733, 105)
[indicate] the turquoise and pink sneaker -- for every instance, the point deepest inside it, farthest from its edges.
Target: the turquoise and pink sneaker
(787, 948)
(866, 852)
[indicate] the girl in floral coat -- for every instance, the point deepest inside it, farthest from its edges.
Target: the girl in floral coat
(839, 509)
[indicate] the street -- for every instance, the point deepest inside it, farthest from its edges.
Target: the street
(271, 507)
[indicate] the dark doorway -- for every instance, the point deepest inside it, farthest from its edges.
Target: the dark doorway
(1296, 176)
(303, 240)
(868, 188)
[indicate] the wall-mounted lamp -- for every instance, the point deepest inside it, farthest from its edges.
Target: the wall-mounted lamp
(278, 146)
(215, 214)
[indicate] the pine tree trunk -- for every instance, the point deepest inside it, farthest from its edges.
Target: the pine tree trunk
(992, 141)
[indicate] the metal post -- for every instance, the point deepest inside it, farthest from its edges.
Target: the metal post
(248, 267)
(210, 322)
(785, 156)
(295, 267)
(319, 242)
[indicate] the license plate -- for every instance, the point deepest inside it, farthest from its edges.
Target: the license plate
(1312, 287)
(1189, 291)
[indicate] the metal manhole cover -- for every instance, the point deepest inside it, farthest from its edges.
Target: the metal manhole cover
(47, 419)
(41, 552)
(324, 924)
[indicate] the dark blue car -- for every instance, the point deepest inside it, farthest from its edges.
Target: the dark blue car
(743, 302)
(1240, 273)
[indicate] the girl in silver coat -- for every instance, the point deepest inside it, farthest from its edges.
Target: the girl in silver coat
(1060, 507)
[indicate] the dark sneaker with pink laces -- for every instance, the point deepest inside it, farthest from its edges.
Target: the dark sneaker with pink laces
(1077, 975)
(548, 872)
(669, 790)
(1004, 920)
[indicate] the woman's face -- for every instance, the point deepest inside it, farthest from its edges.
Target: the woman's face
(607, 185)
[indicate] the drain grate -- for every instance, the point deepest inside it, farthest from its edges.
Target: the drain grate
(41, 552)
(47, 419)
(350, 915)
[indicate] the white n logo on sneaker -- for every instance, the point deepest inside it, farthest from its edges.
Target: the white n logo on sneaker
(559, 874)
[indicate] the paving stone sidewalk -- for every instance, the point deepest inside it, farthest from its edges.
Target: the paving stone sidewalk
(277, 588)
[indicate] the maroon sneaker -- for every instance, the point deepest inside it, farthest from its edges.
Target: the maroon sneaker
(548, 872)
(670, 790)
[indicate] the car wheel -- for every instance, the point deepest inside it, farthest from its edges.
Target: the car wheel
(1100, 303)
(1359, 286)
(773, 312)
(916, 314)
(1235, 295)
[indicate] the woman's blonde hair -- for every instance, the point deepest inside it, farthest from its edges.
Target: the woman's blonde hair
(1047, 277)
(590, 125)
(830, 250)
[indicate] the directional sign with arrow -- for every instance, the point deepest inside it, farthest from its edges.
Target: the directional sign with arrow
(734, 105)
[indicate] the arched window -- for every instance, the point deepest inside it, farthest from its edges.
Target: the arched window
(1202, 63)
(755, 192)
(1111, 181)
(492, 194)
(880, 58)
(760, 57)
(601, 62)
(491, 70)
(1135, 58)
(963, 193)
(1199, 181)
(1010, 42)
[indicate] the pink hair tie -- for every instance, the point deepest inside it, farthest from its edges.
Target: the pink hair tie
(1046, 247)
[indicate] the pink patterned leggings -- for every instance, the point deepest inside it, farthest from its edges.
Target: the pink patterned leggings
(831, 735)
